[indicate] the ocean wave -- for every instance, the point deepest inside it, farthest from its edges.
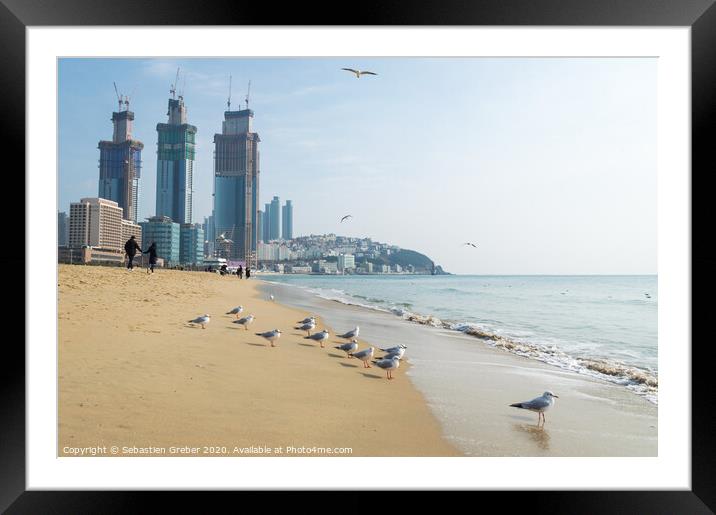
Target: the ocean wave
(641, 381)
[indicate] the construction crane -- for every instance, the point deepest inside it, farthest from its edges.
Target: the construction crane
(119, 97)
(173, 88)
(248, 92)
(127, 99)
(183, 85)
(228, 103)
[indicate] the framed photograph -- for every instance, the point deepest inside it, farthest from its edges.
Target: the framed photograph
(441, 248)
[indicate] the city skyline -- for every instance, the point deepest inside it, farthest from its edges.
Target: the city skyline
(548, 164)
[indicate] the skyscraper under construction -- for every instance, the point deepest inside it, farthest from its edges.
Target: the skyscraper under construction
(175, 162)
(236, 185)
(120, 163)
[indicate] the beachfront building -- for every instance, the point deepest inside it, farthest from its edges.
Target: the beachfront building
(175, 163)
(260, 226)
(191, 244)
(346, 262)
(96, 222)
(287, 221)
(275, 219)
(130, 229)
(236, 184)
(120, 164)
(63, 229)
(166, 234)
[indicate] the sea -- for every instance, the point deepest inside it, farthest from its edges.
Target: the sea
(602, 326)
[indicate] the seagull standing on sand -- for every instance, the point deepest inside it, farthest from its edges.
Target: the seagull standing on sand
(236, 311)
(388, 364)
(358, 73)
(271, 336)
(398, 351)
(350, 334)
(538, 404)
(318, 337)
(365, 356)
(202, 321)
(307, 327)
(246, 321)
(307, 320)
(271, 297)
(349, 347)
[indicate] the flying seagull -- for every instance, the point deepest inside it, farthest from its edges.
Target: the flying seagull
(358, 73)
(347, 216)
(471, 244)
(202, 320)
(271, 336)
(245, 321)
(538, 404)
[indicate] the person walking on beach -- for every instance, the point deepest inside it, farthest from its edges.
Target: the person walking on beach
(152, 251)
(240, 272)
(131, 248)
(248, 272)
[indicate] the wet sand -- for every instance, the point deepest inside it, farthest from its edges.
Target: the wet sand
(135, 375)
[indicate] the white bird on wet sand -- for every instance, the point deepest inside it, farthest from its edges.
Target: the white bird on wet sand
(202, 320)
(388, 364)
(350, 334)
(349, 347)
(398, 352)
(538, 404)
(307, 319)
(365, 356)
(319, 337)
(271, 297)
(271, 336)
(246, 321)
(307, 327)
(358, 73)
(236, 311)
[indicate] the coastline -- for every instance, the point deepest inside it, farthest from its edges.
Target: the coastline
(133, 374)
(470, 384)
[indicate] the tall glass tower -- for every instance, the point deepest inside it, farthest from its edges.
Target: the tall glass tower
(287, 221)
(120, 164)
(275, 219)
(175, 163)
(236, 185)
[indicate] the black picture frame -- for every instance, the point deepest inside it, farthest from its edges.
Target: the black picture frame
(700, 15)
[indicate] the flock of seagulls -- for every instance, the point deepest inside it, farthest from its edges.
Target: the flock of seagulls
(389, 362)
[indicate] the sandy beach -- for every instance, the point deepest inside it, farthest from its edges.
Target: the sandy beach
(135, 376)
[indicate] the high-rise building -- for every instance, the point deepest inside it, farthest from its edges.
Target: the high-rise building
(346, 262)
(260, 226)
(275, 219)
(267, 223)
(120, 164)
(287, 221)
(191, 244)
(209, 235)
(166, 234)
(236, 184)
(130, 229)
(96, 222)
(63, 229)
(175, 163)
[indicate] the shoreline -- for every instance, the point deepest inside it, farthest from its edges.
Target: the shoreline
(470, 384)
(133, 374)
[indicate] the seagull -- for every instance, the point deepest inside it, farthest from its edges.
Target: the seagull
(307, 326)
(388, 364)
(307, 320)
(202, 320)
(538, 404)
(319, 337)
(365, 356)
(244, 321)
(236, 311)
(398, 352)
(345, 217)
(271, 336)
(271, 297)
(396, 349)
(358, 72)
(471, 244)
(350, 334)
(349, 347)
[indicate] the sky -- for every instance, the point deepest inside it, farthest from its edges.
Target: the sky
(548, 165)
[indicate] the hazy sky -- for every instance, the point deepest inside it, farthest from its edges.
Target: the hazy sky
(547, 164)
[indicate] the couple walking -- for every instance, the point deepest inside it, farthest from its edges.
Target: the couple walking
(131, 248)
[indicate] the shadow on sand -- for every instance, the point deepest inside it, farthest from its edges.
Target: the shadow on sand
(372, 376)
(537, 434)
